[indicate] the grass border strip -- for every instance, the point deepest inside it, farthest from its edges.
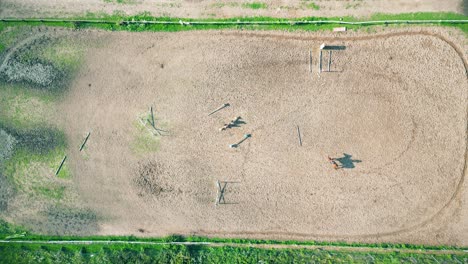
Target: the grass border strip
(230, 244)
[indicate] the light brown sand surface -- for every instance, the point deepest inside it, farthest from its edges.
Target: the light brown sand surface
(395, 101)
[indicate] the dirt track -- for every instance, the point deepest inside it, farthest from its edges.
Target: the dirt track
(397, 104)
(213, 8)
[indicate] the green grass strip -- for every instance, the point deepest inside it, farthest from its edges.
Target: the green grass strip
(137, 253)
(146, 22)
(12, 232)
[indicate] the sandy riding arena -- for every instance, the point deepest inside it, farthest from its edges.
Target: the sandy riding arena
(392, 112)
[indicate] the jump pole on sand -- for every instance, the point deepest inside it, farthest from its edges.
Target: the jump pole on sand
(246, 136)
(329, 59)
(61, 164)
(219, 108)
(151, 122)
(299, 135)
(84, 141)
(310, 61)
(152, 117)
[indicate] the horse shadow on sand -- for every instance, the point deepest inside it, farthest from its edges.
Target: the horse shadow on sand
(347, 162)
(237, 122)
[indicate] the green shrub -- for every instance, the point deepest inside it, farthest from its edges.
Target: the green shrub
(255, 5)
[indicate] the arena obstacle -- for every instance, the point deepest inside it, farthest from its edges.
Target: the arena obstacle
(143, 123)
(320, 59)
(220, 193)
(84, 141)
(221, 189)
(339, 29)
(310, 61)
(219, 108)
(246, 136)
(61, 164)
(299, 135)
(329, 48)
(153, 123)
(153, 130)
(152, 117)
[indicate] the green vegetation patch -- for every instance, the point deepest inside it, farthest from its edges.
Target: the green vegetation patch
(10, 35)
(255, 5)
(7, 191)
(352, 5)
(310, 5)
(7, 145)
(24, 65)
(38, 61)
(39, 140)
(25, 108)
(117, 22)
(131, 253)
(147, 138)
(223, 4)
(36, 67)
(34, 59)
(144, 143)
(51, 192)
(123, 2)
(32, 165)
(28, 170)
(7, 229)
(64, 53)
(245, 252)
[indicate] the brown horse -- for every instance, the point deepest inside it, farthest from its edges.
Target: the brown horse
(231, 124)
(333, 163)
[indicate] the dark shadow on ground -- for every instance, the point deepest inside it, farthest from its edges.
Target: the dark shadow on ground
(347, 162)
(328, 47)
(238, 122)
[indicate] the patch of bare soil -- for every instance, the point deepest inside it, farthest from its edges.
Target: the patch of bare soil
(152, 178)
(63, 220)
(392, 112)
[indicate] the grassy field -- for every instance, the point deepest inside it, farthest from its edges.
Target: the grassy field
(34, 75)
(28, 253)
(240, 251)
